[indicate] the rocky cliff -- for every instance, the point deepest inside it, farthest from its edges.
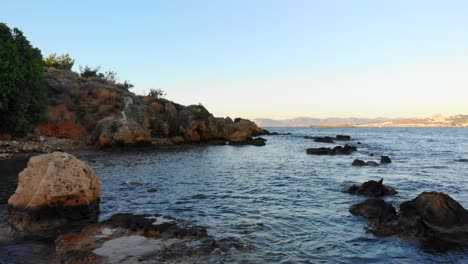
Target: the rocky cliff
(107, 113)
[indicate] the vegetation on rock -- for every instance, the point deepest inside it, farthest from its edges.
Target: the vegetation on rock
(23, 96)
(63, 62)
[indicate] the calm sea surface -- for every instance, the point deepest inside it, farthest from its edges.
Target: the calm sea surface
(275, 204)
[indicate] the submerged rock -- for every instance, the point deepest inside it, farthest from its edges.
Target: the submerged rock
(381, 216)
(126, 238)
(461, 160)
(343, 137)
(358, 162)
(55, 191)
(372, 163)
(385, 159)
(372, 188)
(324, 139)
(338, 150)
(278, 134)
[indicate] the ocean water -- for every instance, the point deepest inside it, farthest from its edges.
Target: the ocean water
(276, 204)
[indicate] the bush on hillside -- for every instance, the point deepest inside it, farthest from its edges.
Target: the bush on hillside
(23, 95)
(63, 61)
(156, 93)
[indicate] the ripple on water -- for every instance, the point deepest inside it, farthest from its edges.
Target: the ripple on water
(276, 204)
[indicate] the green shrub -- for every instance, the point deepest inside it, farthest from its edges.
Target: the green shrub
(86, 71)
(23, 95)
(63, 61)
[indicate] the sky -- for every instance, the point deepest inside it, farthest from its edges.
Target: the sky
(268, 58)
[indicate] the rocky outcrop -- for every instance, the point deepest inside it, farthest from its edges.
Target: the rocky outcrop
(126, 238)
(124, 128)
(385, 159)
(434, 215)
(55, 191)
(430, 216)
(108, 114)
(338, 150)
(372, 189)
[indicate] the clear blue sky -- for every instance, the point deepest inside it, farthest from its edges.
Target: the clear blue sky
(275, 59)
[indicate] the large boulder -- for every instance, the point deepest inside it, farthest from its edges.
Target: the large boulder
(435, 215)
(126, 238)
(55, 191)
(430, 216)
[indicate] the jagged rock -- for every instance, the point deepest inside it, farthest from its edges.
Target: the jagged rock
(430, 216)
(343, 137)
(434, 215)
(372, 163)
(358, 162)
(385, 159)
(338, 150)
(249, 141)
(54, 191)
(125, 128)
(372, 188)
(324, 139)
(126, 238)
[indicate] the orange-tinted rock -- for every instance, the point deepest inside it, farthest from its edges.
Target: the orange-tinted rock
(53, 190)
(178, 140)
(5, 136)
(67, 129)
(158, 108)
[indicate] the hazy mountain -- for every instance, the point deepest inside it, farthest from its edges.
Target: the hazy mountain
(457, 120)
(309, 121)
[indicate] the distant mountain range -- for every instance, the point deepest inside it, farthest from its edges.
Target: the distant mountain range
(435, 121)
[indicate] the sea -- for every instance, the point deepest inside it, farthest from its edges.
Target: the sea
(275, 203)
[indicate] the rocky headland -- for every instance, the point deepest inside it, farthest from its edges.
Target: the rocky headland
(97, 112)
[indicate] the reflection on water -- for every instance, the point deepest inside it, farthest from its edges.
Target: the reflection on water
(277, 204)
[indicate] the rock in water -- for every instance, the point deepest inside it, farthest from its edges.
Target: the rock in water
(434, 215)
(338, 150)
(126, 238)
(372, 189)
(385, 159)
(343, 137)
(372, 163)
(358, 162)
(56, 191)
(381, 216)
(324, 139)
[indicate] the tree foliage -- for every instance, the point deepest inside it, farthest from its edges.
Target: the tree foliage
(63, 61)
(23, 95)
